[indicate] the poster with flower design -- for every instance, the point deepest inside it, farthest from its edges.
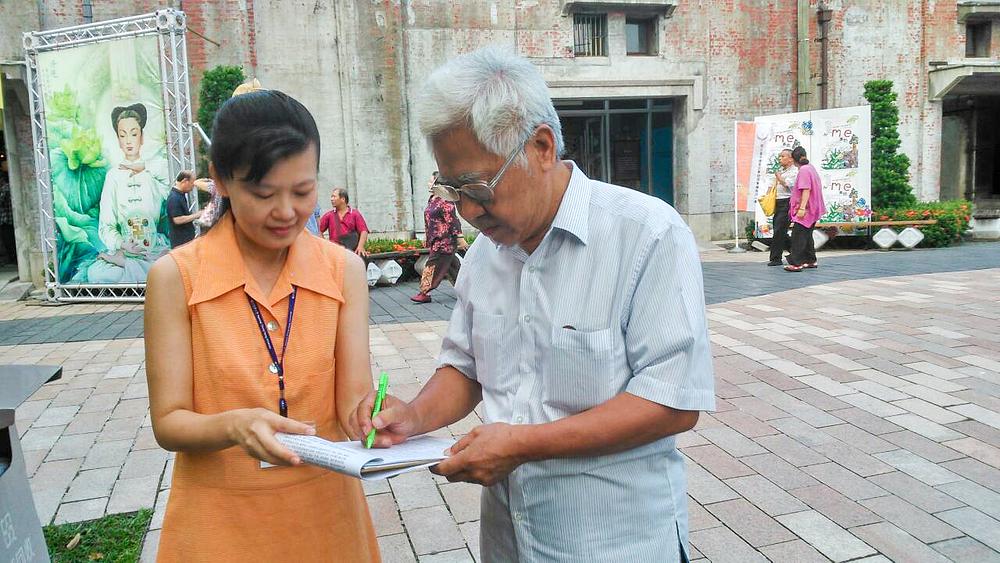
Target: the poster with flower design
(837, 143)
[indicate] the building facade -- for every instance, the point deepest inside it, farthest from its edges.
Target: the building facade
(647, 90)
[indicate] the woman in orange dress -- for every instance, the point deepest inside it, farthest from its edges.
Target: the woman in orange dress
(257, 328)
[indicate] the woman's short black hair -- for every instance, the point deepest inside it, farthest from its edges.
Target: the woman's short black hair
(254, 131)
(799, 155)
(135, 111)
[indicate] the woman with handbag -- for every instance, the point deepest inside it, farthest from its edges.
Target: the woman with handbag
(784, 182)
(346, 225)
(444, 238)
(806, 206)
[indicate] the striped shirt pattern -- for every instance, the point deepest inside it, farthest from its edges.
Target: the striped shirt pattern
(611, 301)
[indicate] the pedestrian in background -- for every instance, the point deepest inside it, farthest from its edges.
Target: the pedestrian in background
(785, 178)
(443, 238)
(806, 206)
(346, 225)
(179, 210)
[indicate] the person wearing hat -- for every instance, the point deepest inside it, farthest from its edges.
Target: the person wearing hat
(131, 201)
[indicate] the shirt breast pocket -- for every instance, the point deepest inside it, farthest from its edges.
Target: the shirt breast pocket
(581, 370)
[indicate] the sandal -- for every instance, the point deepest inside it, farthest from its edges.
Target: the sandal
(793, 268)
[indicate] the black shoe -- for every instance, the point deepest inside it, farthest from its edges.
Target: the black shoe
(774, 263)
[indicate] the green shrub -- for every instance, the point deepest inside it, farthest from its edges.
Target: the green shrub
(952, 220)
(380, 245)
(217, 86)
(890, 169)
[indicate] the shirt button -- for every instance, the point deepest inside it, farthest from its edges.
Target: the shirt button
(517, 516)
(272, 325)
(520, 419)
(527, 318)
(532, 269)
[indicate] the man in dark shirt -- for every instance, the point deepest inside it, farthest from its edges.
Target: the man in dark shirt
(181, 218)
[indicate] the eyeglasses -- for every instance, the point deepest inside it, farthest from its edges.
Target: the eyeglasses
(480, 192)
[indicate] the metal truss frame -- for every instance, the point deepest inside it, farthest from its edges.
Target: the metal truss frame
(169, 26)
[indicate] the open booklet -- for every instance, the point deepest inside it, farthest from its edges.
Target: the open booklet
(351, 458)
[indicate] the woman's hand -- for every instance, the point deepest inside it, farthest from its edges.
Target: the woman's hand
(254, 429)
(360, 251)
(133, 167)
(800, 213)
(118, 258)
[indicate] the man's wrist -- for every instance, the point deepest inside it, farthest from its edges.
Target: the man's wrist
(528, 442)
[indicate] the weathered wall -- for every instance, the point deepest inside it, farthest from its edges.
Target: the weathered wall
(895, 40)
(359, 65)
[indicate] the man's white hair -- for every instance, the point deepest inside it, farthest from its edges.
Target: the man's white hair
(501, 97)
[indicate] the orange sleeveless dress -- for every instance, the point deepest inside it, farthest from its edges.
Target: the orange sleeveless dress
(222, 505)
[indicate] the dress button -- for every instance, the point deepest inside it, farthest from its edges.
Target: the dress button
(272, 325)
(527, 318)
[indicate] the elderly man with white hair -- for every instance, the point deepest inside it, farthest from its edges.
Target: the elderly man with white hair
(580, 326)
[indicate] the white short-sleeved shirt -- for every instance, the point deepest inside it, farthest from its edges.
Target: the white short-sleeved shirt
(611, 301)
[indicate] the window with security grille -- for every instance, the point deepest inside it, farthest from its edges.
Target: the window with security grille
(590, 35)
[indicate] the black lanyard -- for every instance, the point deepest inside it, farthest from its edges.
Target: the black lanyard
(277, 366)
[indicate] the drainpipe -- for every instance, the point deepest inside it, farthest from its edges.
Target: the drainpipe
(802, 70)
(825, 15)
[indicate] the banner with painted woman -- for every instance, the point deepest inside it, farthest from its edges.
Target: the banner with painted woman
(104, 124)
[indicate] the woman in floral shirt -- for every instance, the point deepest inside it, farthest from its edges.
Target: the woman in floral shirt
(444, 237)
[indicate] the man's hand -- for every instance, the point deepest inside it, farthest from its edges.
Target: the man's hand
(396, 422)
(484, 456)
(360, 251)
(800, 213)
(462, 243)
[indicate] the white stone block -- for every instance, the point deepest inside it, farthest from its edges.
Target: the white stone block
(391, 271)
(373, 273)
(885, 238)
(819, 238)
(910, 237)
(985, 229)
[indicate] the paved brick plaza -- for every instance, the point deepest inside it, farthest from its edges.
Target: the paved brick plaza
(858, 419)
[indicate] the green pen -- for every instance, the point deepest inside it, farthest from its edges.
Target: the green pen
(383, 384)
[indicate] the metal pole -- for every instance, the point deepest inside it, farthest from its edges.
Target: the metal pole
(736, 194)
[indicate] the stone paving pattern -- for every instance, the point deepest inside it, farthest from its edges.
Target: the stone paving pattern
(46, 323)
(857, 421)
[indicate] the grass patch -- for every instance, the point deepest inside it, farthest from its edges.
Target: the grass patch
(117, 537)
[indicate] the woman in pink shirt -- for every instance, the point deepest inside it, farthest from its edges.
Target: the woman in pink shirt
(804, 209)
